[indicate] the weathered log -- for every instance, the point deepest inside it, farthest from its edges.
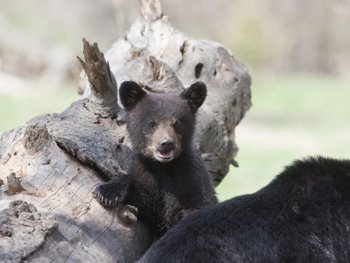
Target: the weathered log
(55, 161)
(60, 187)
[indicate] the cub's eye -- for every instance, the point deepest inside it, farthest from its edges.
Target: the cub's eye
(152, 124)
(176, 125)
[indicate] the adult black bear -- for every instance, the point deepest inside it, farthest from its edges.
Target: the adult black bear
(301, 216)
(167, 177)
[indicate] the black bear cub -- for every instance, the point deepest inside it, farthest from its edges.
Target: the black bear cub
(301, 216)
(167, 178)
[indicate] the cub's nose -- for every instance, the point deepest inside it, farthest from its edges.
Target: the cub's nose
(166, 145)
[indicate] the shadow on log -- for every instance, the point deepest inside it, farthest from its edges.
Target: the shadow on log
(49, 168)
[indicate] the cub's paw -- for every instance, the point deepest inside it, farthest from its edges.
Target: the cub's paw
(110, 194)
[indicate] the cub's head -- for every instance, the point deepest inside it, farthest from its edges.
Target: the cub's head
(161, 125)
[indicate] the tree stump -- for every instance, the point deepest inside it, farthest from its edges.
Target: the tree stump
(49, 167)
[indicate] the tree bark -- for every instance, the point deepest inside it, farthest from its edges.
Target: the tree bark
(49, 167)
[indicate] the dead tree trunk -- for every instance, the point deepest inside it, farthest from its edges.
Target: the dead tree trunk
(49, 168)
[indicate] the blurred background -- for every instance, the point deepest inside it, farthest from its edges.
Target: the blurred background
(298, 53)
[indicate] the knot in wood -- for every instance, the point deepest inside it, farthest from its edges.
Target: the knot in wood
(36, 138)
(13, 184)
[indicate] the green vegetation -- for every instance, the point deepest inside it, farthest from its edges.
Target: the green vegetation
(17, 110)
(292, 117)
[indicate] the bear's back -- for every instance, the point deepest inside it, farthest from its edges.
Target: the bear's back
(301, 216)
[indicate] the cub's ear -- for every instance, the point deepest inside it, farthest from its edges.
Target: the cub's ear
(195, 95)
(130, 94)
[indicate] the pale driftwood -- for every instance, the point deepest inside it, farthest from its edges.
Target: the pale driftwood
(54, 162)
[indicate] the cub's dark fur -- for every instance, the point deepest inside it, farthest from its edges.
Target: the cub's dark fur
(301, 216)
(167, 177)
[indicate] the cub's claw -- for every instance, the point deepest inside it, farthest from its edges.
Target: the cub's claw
(110, 194)
(128, 214)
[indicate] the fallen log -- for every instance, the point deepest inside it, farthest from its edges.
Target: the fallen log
(49, 167)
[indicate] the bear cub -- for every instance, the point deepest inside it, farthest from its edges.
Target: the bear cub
(167, 178)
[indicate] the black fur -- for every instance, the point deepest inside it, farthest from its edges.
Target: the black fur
(130, 94)
(301, 216)
(195, 95)
(163, 192)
